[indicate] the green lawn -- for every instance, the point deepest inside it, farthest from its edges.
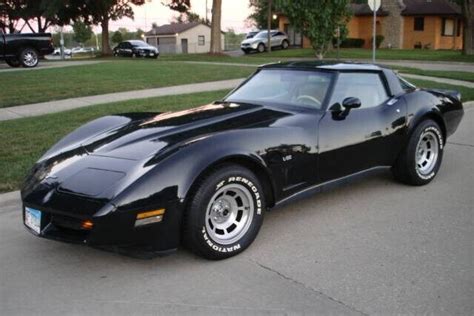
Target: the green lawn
(382, 54)
(457, 75)
(24, 87)
(467, 94)
(24, 140)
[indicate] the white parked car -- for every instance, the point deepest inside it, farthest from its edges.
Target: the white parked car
(259, 42)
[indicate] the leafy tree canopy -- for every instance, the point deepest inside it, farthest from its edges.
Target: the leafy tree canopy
(318, 20)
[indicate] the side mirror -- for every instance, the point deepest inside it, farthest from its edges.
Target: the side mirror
(351, 103)
(339, 112)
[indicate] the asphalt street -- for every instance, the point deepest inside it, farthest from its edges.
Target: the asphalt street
(372, 247)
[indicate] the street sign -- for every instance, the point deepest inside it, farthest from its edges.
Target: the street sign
(374, 4)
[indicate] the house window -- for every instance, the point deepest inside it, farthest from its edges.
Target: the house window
(419, 24)
(201, 40)
(448, 27)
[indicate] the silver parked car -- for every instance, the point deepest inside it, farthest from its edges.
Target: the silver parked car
(259, 42)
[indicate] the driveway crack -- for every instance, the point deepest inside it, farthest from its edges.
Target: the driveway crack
(317, 292)
(461, 144)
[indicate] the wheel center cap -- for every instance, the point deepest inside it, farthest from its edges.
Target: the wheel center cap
(221, 211)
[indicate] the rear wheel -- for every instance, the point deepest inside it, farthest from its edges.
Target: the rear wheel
(225, 213)
(13, 62)
(421, 159)
(29, 58)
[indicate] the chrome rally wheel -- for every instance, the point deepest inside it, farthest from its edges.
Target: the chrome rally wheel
(225, 212)
(427, 152)
(419, 162)
(229, 214)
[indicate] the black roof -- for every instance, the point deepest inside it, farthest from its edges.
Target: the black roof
(326, 65)
(363, 9)
(431, 7)
(173, 28)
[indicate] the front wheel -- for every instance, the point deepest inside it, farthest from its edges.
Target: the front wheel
(285, 44)
(225, 213)
(29, 58)
(421, 159)
(261, 48)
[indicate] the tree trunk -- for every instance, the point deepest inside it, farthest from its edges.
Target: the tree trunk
(216, 47)
(106, 50)
(468, 32)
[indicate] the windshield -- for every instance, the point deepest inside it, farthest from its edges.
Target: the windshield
(293, 87)
(263, 34)
(138, 43)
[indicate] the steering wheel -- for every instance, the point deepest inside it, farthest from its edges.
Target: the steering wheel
(309, 98)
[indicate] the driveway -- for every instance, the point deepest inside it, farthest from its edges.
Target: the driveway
(49, 64)
(372, 247)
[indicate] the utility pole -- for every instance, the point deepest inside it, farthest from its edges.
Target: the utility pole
(61, 42)
(207, 19)
(374, 6)
(269, 26)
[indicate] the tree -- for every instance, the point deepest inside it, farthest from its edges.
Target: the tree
(216, 45)
(82, 32)
(318, 20)
(467, 8)
(101, 12)
(43, 13)
(117, 37)
(260, 14)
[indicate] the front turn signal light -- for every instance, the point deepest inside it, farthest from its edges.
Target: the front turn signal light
(87, 224)
(149, 217)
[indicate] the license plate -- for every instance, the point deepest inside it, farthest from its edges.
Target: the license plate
(152, 54)
(33, 219)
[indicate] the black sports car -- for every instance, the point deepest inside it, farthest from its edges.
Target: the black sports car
(146, 182)
(135, 48)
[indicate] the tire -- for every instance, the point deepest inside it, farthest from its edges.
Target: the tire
(14, 63)
(285, 44)
(261, 48)
(420, 160)
(225, 213)
(29, 58)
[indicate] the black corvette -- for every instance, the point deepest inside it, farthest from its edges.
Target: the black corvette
(144, 183)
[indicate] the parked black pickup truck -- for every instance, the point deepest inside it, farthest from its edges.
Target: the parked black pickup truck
(24, 49)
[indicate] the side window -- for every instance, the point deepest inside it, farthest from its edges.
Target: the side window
(201, 40)
(368, 87)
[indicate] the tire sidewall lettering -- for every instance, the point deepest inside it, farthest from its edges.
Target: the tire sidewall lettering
(253, 189)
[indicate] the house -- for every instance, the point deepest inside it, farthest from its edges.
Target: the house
(407, 24)
(181, 38)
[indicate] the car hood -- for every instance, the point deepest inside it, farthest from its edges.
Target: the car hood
(151, 133)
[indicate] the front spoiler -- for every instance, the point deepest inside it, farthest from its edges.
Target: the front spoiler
(115, 231)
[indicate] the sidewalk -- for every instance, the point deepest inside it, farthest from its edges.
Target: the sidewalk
(37, 109)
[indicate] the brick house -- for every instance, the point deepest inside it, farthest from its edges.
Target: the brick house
(407, 24)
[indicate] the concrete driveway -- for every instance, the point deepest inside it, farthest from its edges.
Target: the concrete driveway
(372, 247)
(49, 64)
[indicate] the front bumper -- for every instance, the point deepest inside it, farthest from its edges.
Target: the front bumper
(113, 231)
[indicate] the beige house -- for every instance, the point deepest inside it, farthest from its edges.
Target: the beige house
(407, 24)
(181, 38)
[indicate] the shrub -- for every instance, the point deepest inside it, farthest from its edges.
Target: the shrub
(378, 40)
(352, 43)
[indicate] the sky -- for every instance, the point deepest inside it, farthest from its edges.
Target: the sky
(234, 15)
